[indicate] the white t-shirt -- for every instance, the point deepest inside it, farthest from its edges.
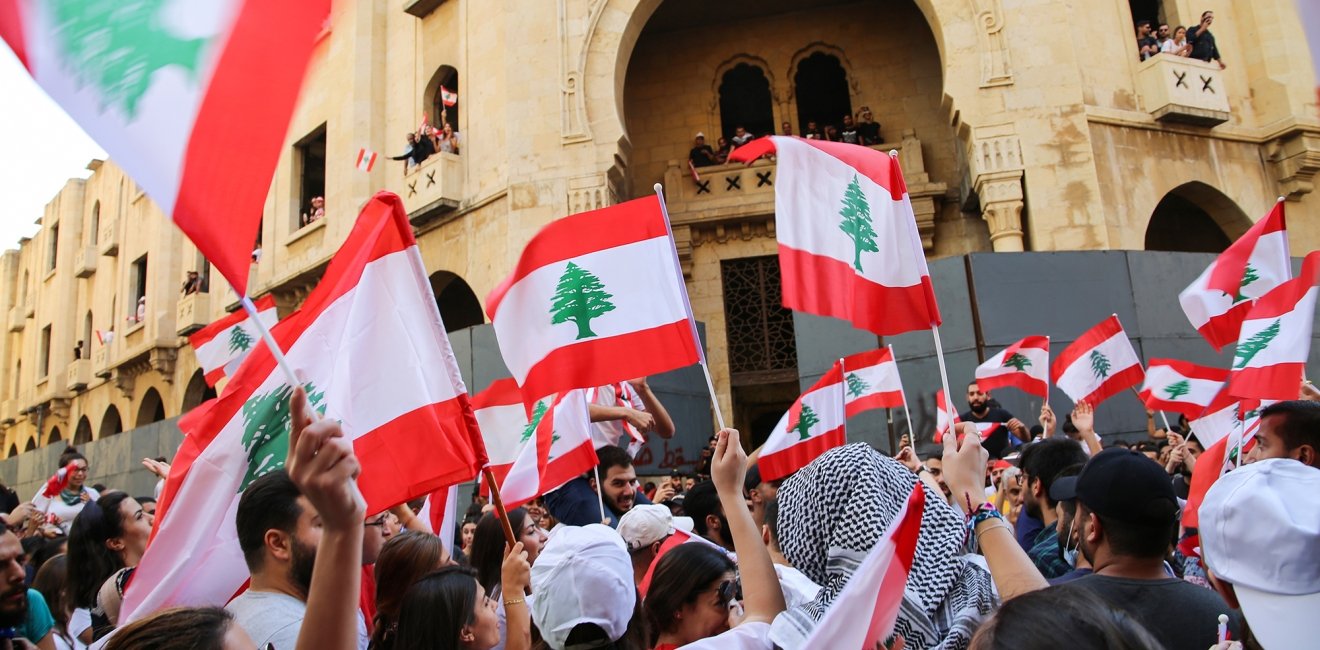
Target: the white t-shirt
(748, 636)
(269, 617)
(59, 508)
(80, 621)
(611, 432)
(797, 587)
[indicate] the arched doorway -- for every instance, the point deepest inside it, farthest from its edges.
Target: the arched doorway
(54, 436)
(196, 392)
(13, 451)
(110, 423)
(31, 444)
(442, 98)
(820, 86)
(150, 409)
(1195, 218)
(746, 101)
(82, 434)
(459, 306)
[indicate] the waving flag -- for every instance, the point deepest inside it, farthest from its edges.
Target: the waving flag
(448, 97)
(392, 383)
(59, 480)
(675, 539)
(440, 512)
(223, 345)
(1221, 456)
(1181, 387)
(502, 418)
(1270, 359)
(556, 448)
(1218, 419)
(1024, 365)
(1218, 301)
(848, 241)
(942, 424)
(813, 425)
(192, 101)
(366, 159)
(1098, 365)
(596, 298)
(871, 381)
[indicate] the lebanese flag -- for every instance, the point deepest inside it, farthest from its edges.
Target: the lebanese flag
(1270, 358)
(58, 481)
(848, 241)
(366, 159)
(1218, 300)
(871, 381)
(813, 425)
(596, 298)
(441, 512)
(558, 451)
(1181, 387)
(983, 429)
(675, 539)
(223, 345)
(1024, 365)
(448, 97)
(503, 420)
(372, 352)
(864, 613)
(1217, 421)
(1220, 457)
(1098, 365)
(104, 337)
(217, 73)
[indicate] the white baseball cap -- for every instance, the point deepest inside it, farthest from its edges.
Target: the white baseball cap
(647, 524)
(583, 575)
(700, 134)
(1260, 531)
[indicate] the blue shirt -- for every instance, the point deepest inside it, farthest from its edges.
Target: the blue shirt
(1027, 529)
(39, 621)
(576, 504)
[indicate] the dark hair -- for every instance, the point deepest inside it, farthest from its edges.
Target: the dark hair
(1058, 616)
(142, 501)
(1300, 425)
(91, 562)
(611, 456)
(1045, 459)
(680, 575)
(771, 518)
(46, 549)
(435, 609)
(181, 628)
(404, 559)
(1141, 23)
(1206, 13)
(51, 581)
(270, 502)
(1139, 540)
(70, 454)
(486, 555)
(702, 500)
(753, 478)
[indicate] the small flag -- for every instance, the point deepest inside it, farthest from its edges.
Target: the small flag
(556, 449)
(448, 97)
(871, 381)
(222, 346)
(1217, 420)
(503, 422)
(813, 425)
(1024, 365)
(983, 429)
(105, 337)
(692, 169)
(1221, 456)
(441, 512)
(1181, 387)
(59, 480)
(1098, 365)
(1270, 359)
(366, 159)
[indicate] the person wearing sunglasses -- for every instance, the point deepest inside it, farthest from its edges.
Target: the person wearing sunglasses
(691, 596)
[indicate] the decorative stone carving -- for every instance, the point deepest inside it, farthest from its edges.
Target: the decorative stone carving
(1001, 207)
(996, 68)
(162, 361)
(1295, 159)
(572, 61)
(588, 193)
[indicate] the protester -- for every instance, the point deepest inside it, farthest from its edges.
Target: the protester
(315, 213)
(644, 529)
(703, 505)
(106, 542)
(759, 493)
(1289, 429)
(617, 410)
(691, 596)
(587, 598)
(148, 505)
(192, 284)
(867, 128)
(405, 558)
(1054, 618)
(449, 140)
(419, 149)
(449, 608)
(848, 131)
(51, 581)
(1067, 532)
(1203, 42)
(182, 628)
(61, 508)
(702, 155)
(577, 503)
(980, 409)
(1041, 462)
(466, 533)
(813, 132)
(1178, 45)
(488, 556)
(1147, 44)
(786, 129)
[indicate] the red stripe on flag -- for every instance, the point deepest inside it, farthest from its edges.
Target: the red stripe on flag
(890, 598)
(11, 29)
(867, 359)
(1103, 331)
(887, 311)
(223, 185)
(890, 399)
(203, 336)
(397, 474)
(1231, 264)
(875, 165)
(1117, 383)
(1223, 330)
(1019, 380)
(788, 460)
(212, 378)
(1278, 381)
(1209, 465)
(1283, 298)
(501, 392)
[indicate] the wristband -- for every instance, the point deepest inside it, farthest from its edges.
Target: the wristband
(983, 513)
(922, 468)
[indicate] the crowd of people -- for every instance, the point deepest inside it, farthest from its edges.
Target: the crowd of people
(859, 129)
(426, 141)
(1033, 537)
(1196, 42)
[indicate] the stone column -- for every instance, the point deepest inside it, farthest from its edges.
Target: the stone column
(1001, 207)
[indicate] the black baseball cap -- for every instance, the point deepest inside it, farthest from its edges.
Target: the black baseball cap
(1122, 485)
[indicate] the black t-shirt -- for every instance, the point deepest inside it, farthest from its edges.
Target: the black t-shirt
(8, 499)
(849, 134)
(869, 131)
(1203, 44)
(997, 443)
(702, 156)
(1149, 41)
(1181, 615)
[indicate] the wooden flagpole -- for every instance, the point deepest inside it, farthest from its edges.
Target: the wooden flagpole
(500, 512)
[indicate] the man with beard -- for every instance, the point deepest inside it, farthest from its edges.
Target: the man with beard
(23, 611)
(980, 410)
(1041, 464)
(1066, 528)
(576, 503)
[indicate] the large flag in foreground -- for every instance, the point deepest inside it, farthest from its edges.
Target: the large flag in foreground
(596, 298)
(813, 425)
(553, 449)
(1181, 387)
(1218, 300)
(223, 345)
(372, 353)
(1024, 365)
(1270, 359)
(848, 241)
(192, 100)
(871, 381)
(1098, 365)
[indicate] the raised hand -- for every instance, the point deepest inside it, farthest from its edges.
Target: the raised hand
(1047, 419)
(728, 465)
(156, 467)
(964, 467)
(908, 458)
(1083, 417)
(322, 464)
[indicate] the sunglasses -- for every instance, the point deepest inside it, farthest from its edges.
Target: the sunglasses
(380, 521)
(728, 591)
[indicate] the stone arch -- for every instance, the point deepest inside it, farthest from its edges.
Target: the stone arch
(111, 424)
(94, 224)
(821, 47)
(447, 76)
(832, 88)
(31, 444)
(1195, 217)
(459, 306)
(733, 64)
(13, 451)
(82, 434)
(150, 409)
(196, 392)
(54, 436)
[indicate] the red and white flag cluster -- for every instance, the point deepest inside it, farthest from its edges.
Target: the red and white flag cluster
(1270, 359)
(1098, 365)
(871, 381)
(554, 448)
(1181, 387)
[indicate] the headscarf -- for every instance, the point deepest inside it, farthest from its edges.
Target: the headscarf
(832, 512)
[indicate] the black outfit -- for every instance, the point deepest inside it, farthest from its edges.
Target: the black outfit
(1150, 41)
(702, 156)
(8, 499)
(999, 442)
(1203, 44)
(869, 132)
(1181, 615)
(421, 150)
(850, 134)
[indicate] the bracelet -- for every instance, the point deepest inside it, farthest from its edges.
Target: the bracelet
(982, 513)
(922, 468)
(996, 525)
(513, 602)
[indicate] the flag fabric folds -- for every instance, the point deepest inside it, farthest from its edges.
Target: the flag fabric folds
(813, 425)
(1098, 365)
(223, 345)
(1270, 359)
(1024, 365)
(596, 298)
(198, 119)
(871, 381)
(1181, 387)
(392, 383)
(502, 419)
(848, 241)
(555, 448)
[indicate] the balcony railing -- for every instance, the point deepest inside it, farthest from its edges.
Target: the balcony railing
(107, 239)
(431, 189)
(16, 319)
(78, 375)
(1178, 89)
(101, 361)
(85, 261)
(193, 312)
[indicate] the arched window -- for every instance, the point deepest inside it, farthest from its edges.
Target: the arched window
(94, 226)
(18, 379)
(87, 336)
(54, 436)
(821, 88)
(443, 100)
(1195, 218)
(82, 434)
(196, 392)
(110, 423)
(746, 101)
(151, 409)
(31, 444)
(459, 307)
(13, 451)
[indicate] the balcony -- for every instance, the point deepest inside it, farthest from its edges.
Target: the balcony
(1189, 91)
(29, 306)
(84, 263)
(193, 313)
(78, 375)
(421, 8)
(107, 239)
(430, 190)
(101, 361)
(16, 319)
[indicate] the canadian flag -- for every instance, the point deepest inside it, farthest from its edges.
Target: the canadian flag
(1098, 365)
(366, 159)
(223, 345)
(871, 381)
(1270, 359)
(864, 613)
(448, 97)
(393, 383)
(214, 74)
(813, 425)
(1218, 301)
(555, 448)
(942, 424)
(1181, 387)
(1024, 365)
(848, 241)
(596, 298)
(503, 422)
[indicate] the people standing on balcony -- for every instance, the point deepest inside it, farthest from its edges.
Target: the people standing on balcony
(1177, 45)
(867, 128)
(78, 351)
(419, 149)
(722, 149)
(448, 139)
(848, 131)
(1203, 42)
(786, 128)
(1147, 45)
(314, 214)
(192, 284)
(141, 313)
(1162, 35)
(813, 131)
(832, 133)
(702, 155)
(741, 136)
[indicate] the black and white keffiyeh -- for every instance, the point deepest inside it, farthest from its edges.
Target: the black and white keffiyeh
(832, 512)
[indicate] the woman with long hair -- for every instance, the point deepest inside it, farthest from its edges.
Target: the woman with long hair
(448, 608)
(182, 628)
(51, 581)
(487, 555)
(405, 558)
(74, 494)
(106, 541)
(691, 595)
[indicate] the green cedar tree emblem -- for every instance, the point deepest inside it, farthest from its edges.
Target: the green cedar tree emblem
(1178, 389)
(266, 424)
(579, 298)
(856, 213)
(1018, 361)
(119, 45)
(1252, 346)
(537, 414)
(856, 385)
(1100, 365)
(239, 340)
(806, 420)
(1248, 276)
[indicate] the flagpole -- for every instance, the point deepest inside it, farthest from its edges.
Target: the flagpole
(600, 495)
(499, 506)
(266, 337)
(944, 380)
(912, 436)
(692, 322)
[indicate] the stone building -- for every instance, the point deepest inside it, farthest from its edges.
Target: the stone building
(1021, 126)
